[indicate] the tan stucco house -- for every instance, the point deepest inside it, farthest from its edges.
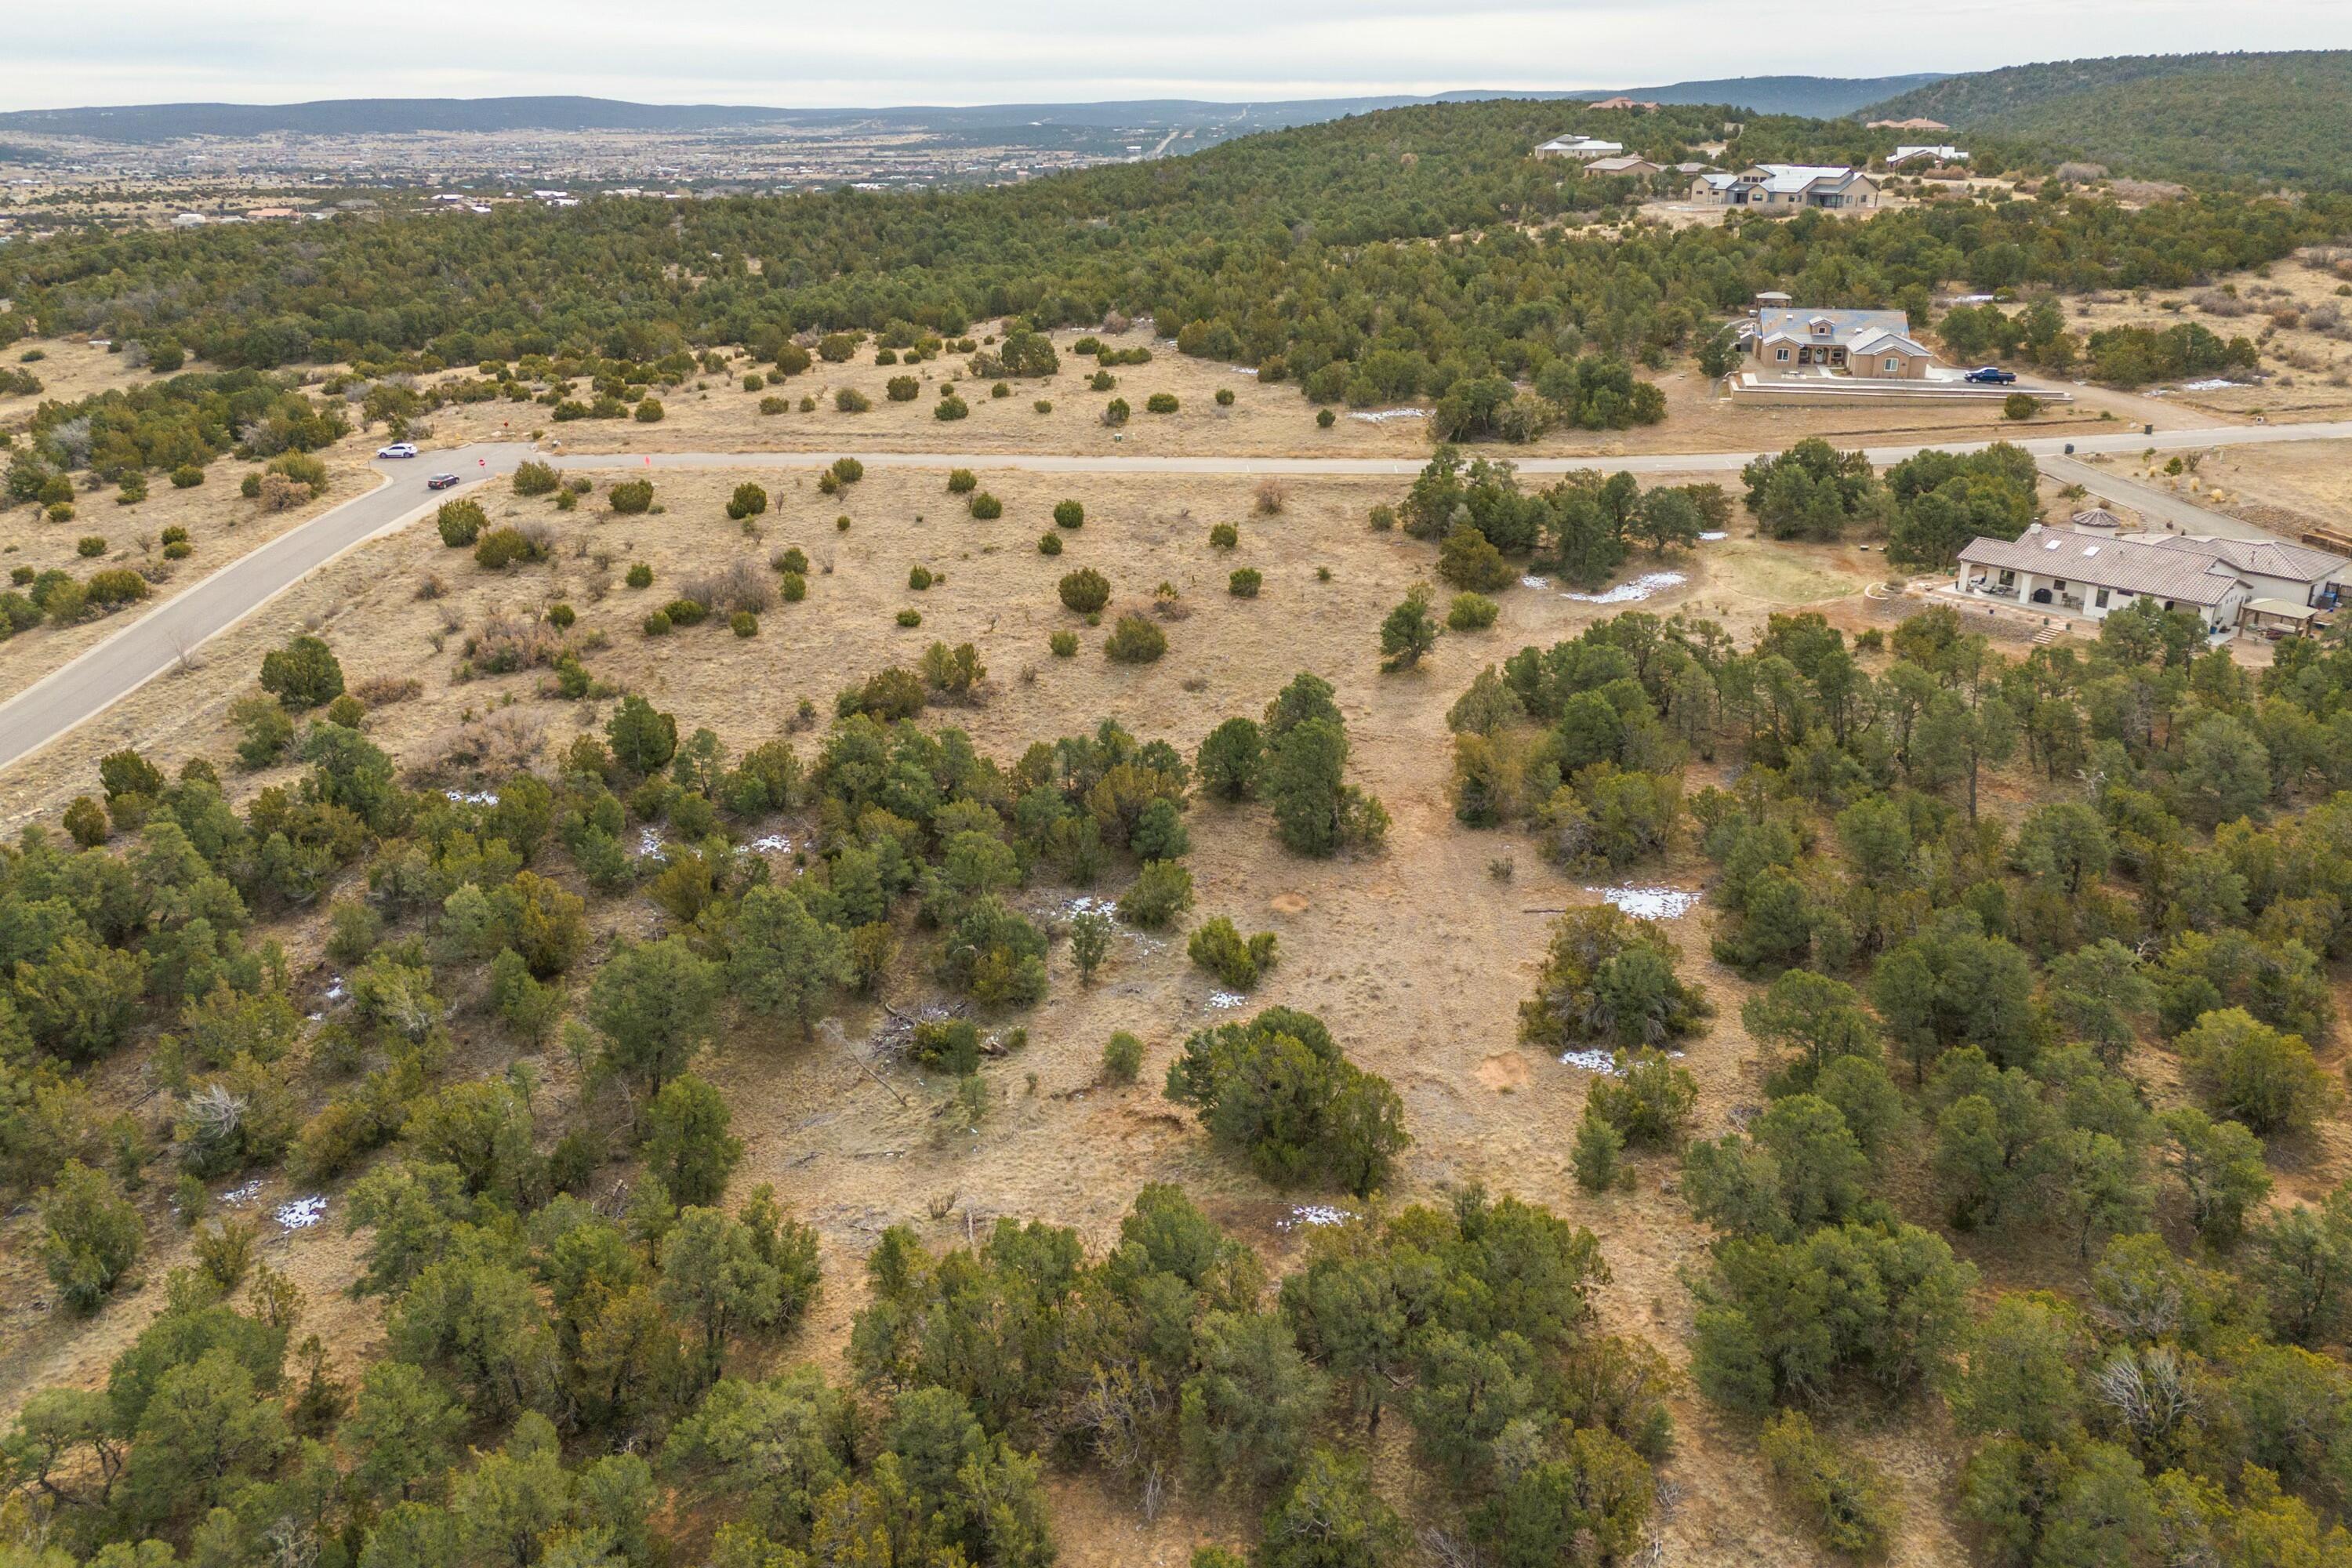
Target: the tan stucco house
(1874, 345)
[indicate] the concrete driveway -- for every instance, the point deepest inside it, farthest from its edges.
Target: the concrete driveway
(158, 639)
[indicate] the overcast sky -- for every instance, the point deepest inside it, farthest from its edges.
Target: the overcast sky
(791, 53)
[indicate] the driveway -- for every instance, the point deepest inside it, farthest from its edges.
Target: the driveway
(158, 639)
(2160, 505)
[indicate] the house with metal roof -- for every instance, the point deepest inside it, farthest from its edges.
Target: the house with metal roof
(2274, 568)
(1779, 190)
(1584, 149)
(2092, 574)
(1875, 344)
(1630, 165)
(1937, 154)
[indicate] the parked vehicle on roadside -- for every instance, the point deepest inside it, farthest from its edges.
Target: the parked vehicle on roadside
(1993, 375)
(397, 449)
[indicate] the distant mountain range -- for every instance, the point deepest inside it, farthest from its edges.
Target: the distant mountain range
(1821, 96)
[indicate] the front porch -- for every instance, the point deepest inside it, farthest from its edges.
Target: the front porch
(2028, 590)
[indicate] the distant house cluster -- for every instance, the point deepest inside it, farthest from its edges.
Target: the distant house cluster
(1784, 189)
(1633, 166)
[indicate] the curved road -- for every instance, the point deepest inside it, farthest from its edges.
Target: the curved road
(160, 639)
(157, 640)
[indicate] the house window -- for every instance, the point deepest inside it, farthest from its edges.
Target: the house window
(2102, 600)
(1894, 363)
(1783, 355)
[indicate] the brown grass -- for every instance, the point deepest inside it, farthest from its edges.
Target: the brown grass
(1416, 957)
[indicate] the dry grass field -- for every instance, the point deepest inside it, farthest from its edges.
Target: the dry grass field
(2299, 311)
(715, 413)
(1416, 956)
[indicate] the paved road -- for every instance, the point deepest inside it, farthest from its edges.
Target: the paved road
(2162, 506)
(2129, 440)
(154, 643)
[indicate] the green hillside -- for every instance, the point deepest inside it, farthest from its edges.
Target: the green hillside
(2270, 117)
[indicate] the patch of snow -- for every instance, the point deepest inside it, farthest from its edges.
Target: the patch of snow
(1383, 415)
(1534, 582)
(1603, 1062)
(1087, 904)
(315, 1017)
(1714, 533)
(478, 797)
(238, 1197)
(302, 1213)
(649, 843)
(1248, 370)
(335, 992)
(1649, 904)
(772, 843)
(1972, 299)
(2212, 384)
(1227, 999)
(1314, 1214)
(1641, 588)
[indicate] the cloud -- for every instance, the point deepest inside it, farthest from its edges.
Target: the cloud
(952, 51)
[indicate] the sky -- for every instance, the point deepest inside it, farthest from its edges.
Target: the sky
(790, 53)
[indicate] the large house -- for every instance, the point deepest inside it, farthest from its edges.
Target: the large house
(1631, 166)
(2294, 574)
(1584, 149)
(2090, 571)
(2092, 574)
(1873, 345)
(1779, 189)
(1942, 153)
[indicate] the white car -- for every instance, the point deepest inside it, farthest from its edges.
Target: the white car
(397, 449)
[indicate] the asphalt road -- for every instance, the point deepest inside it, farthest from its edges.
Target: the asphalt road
(2130, 439)
(156, 640)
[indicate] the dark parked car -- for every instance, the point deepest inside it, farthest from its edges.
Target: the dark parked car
(441, 482)
(1993, 375)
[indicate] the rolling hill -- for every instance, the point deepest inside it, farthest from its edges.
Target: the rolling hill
(2250, 117)
(1819, 97)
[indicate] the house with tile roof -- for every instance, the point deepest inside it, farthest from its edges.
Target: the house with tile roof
(1876, 345)
(2092, 574)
